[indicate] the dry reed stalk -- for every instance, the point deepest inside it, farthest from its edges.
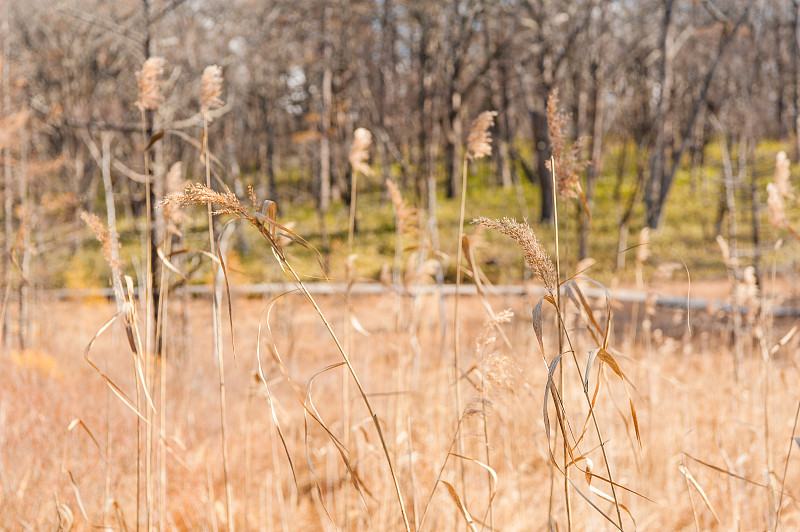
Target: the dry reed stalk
(478, 146)
(542, 267)
(211, 98)
(495, 373)
(199, 194)
(150, 98)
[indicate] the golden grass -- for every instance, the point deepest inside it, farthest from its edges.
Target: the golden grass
(690, 410)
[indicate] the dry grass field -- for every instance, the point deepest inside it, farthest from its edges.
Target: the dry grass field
(712, 455)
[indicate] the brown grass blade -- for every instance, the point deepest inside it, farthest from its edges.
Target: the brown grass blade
(730, 473)
(114, 388)
(686, 473)
(550, 372)
(537, 323)
(166, 262)
(593, 505)
(79, 500)
(227, 285)
(155, 138)
(271, 403)
(783, 341)
(460, 504)
(493, 474)
(78, 422)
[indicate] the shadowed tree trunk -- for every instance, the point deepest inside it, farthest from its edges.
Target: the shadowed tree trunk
(661, 178)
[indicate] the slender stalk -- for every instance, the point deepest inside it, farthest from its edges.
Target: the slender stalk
(562, 327)
(148, 319)
(567, 495)
(348, 326)
(786, 467)
(456, 328)
(488, 455)
(216, 312)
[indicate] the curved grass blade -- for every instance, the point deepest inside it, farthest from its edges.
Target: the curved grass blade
(460, 504)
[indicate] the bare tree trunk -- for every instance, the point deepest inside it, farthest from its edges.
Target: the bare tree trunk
(660, 181)
(324, 197)
(24, 240)
(755, 205)
(8, 227)
(454, 136)
(596, 149)
(505, 162)
(796, 70)
(542, 174)
(657, 162)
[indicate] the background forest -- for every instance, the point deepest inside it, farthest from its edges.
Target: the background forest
(651, 88)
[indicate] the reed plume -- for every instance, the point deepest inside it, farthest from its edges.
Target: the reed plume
(359, 152)
(148, 78)
(108, 238)
(197, 194)
(567, 159)
(211, 92)
(479, 140)
(407, 223)
(782, 181)
(776, 206)
(536, 257)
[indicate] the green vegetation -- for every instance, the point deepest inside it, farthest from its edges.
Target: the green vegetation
(689, 232)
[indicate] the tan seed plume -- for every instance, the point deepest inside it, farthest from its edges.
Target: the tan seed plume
(479, 140)
(536, 257)
(776, 206)
(148, 78)
(407, 216)
(567, 160)
(211, 92)
(782, 175)
(359, 152)
(107, 237)
(198, 194)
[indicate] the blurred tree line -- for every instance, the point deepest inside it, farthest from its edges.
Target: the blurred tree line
(301, 75)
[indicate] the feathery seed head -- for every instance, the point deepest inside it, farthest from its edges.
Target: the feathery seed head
(776, 206)
(406, 215)
(479, 140)
(150, 96)
(198, 194)
(782, 181)
(107, 237)
(211, 92)
(567, 160)
(536, 257)
(359, 152)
